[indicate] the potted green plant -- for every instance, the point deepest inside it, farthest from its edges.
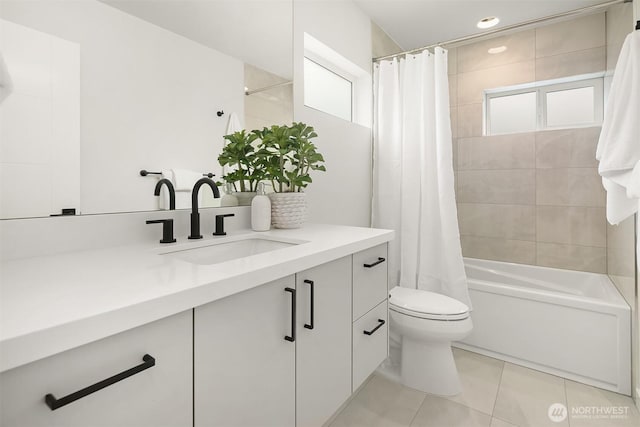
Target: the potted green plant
(289, 156)
(245, 168)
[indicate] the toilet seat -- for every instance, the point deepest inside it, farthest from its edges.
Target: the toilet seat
(426, 305)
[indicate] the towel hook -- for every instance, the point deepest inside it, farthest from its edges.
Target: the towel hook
(220, 113)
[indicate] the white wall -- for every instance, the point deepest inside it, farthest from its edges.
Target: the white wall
(148, 98)
(342, 195)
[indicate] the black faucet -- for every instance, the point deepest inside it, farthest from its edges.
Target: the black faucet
(172, 192)
(195, 216)
(220, 225)
(167, 229)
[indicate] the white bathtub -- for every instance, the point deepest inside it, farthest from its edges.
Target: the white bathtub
(567, 323)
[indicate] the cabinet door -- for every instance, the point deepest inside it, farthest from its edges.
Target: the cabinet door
(370, 343)
(323, 354)
(369, 279)
(244, 369)
(160, 395)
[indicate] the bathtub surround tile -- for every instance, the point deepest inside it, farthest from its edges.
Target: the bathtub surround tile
(480, 378)
(518, 251)
(510, 186)
(452, 59)
(520, 47)
(513, 151)
(567, 148)
(469, 120)
(453, 116)
(471, 85)
(570, 36)
(381, 403)
(525, 395)
(517, 222)
(571, 225)
(496, 170)
(438, 412)
(453, 90)
(454, 152)
(571, 257)
(581, 398)
(569, 187)
(620, 244)
(619, 21)
(571, 64)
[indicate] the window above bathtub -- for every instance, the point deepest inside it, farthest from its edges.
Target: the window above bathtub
(556, 104)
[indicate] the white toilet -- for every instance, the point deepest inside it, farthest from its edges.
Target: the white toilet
(427, 323)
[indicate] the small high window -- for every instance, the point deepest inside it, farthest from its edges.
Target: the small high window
(327, 91)
(550, 105)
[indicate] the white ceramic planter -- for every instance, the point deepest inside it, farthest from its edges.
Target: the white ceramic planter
(245, 197)
(288, 210)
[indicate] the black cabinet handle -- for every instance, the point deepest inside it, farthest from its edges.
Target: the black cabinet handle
(292, 337)
(310, 324)
(54, 403)
(371, 332)
(379, 261)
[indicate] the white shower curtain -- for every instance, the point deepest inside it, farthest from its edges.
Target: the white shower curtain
(413, 174)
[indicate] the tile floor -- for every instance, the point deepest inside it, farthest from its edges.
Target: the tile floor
(496, 394)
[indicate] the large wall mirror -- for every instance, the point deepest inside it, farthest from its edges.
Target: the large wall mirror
(92, 92)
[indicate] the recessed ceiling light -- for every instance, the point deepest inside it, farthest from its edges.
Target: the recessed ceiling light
(498, 49)
(488, 22)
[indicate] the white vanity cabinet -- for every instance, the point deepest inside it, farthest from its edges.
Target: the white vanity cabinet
(370, 312)
(157, 393)
(244, 358)
(323, 341)
(286, 353)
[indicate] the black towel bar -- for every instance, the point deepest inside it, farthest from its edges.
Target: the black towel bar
(144, 172)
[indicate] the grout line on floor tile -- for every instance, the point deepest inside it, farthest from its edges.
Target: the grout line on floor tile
(419, 407)
(495, 401)
(566, 401)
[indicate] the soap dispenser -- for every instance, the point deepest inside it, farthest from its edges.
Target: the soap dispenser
(229, 199)
(261, 210)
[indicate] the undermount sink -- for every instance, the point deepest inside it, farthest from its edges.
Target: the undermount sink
(227, 251)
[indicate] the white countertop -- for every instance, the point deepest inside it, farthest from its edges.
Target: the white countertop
(54, 303)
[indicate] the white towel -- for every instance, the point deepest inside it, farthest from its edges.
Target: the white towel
(6, 83)
(619, 145)
(234, 124)
(184, 179)
(163, 200)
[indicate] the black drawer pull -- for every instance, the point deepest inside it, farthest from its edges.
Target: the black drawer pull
(371, 332)
(292, 337)
(310, 324)
(379, 261)
(54, 403)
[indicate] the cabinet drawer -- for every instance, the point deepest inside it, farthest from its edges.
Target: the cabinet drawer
(160, 395)
(369, 279)
(371, 348)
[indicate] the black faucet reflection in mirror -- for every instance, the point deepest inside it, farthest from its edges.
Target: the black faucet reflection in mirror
(195, 216)
(172, 192)
(220, 224)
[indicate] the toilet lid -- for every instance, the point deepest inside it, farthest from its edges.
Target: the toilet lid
(425, 302)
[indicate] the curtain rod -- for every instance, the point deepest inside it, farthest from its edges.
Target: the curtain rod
(507, 28)
(262, 89)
